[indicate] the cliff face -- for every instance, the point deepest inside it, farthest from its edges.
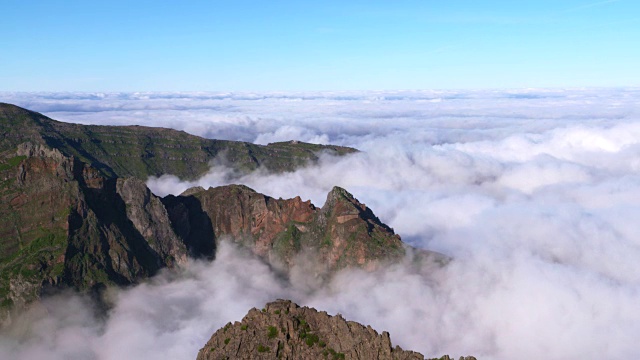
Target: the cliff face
(36, 197)
(284, 330)
(64, 224)
(75, 212)
(139, 151)
(342, 233)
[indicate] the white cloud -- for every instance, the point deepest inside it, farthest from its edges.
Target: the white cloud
(535, 194)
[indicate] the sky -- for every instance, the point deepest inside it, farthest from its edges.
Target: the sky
(323, 45)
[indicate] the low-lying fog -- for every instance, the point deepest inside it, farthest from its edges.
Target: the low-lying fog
(534, 193)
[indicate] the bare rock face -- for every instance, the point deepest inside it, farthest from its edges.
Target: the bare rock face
(284, 330)
(357, 236)
(151, 220)
(68, 220)
(64, 224)
(288, 232)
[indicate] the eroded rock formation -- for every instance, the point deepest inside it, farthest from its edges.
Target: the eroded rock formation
(284, 330)
(342, 233)
(66, 225)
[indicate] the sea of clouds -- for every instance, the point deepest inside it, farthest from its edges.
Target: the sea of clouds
(534, 194)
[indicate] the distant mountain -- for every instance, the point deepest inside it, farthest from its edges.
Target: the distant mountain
(284, 330)
(69, 220)
(139, 151)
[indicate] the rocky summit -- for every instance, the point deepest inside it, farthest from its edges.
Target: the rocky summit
(344, 232)
(284, 330)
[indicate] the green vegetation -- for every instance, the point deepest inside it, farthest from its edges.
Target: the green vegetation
(226, 341)
(272, 332)
(287, 243)
(36, 261)
(141, 151)
(334, 354)
(311, 339)
(244, 327)
(12, 163)
(305, 333)
(262, 348)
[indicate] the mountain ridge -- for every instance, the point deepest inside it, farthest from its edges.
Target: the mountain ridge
(72, 221)
(141, 151)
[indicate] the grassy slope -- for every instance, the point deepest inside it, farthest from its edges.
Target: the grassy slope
(144, 151)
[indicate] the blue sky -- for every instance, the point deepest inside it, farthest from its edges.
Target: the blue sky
(321, 45)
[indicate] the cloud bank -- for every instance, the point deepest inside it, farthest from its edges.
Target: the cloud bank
(534, 193)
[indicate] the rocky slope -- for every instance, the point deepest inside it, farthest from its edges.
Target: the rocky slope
(139, 151)
(64, 224)
(74, 210)
(284, 330)
(342, 233)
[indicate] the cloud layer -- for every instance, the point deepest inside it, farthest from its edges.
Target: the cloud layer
(534, 193)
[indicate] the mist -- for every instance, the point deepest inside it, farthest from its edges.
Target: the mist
(534, 194)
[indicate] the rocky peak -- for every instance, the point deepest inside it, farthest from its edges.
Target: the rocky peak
(284, 330)
(342, 233)
(342, 205)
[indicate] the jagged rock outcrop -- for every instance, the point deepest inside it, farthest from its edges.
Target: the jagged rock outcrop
(66, 225)
(284, 330)
(289, 232)
(67, 220)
